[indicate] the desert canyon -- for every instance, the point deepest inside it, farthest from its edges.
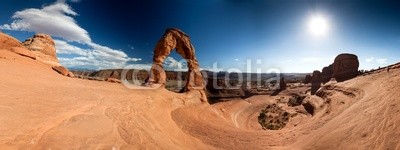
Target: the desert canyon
(43, 105)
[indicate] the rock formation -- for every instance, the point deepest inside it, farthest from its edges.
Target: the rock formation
(113, 80)
(327, 73)
(315, 82)
(115, 75)
(345, 67)
(70, 74)
(316, 76)
(307, 79)
(176, 39)
(11, 44)
(63, 71)
(42, 45)
(7, 42)
(282, 84)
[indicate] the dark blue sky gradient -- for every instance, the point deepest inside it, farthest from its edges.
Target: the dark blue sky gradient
(274, 31)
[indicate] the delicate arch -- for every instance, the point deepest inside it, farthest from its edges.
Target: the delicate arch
(176, 39)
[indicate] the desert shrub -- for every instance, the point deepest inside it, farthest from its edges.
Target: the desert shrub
(295, 100)
(273, 117)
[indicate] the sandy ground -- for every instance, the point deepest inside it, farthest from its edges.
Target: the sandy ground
(40, 109)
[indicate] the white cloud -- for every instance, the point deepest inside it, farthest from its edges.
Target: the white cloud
(213, 69)
(381, 61)
(57, 20)
(370, 59)
(172, 64)
(377, 60)
(140, 66)
(98, 57)
(88, 62)
(92, 62)
(236, 59)
(63, 47)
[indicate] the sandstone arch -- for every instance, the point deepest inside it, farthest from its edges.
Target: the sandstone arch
(176, 39)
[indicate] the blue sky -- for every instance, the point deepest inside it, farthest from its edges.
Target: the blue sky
(228, 35)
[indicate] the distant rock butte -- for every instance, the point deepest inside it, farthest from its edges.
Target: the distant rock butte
(176, 39)
(42, 45)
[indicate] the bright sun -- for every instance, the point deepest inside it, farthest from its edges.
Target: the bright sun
(318, 25)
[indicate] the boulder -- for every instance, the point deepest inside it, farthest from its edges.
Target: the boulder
(61, 70)
(70, 74)
(327, 73)
(42, 45)
(113, 80)
(345, 67)
(176, 39)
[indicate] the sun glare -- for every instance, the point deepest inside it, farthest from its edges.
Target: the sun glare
(318, 25)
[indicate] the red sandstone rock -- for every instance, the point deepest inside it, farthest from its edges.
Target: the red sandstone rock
(282, 84)
(7, 42)
(62, 70)
(70, 74)
(307, 79)
(42, 45)
(345, 67)
(315, 82)
(176, 39)
(113, 80)
(327, 73)
(23, 52)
